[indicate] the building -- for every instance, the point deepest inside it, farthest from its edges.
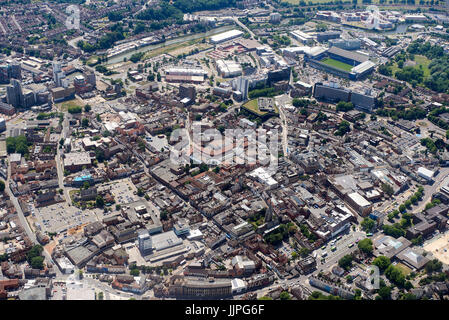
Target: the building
(225, 36)
(14, 94)
(426, 173)
(7, 109)
(302, 37)
(76, 161)
(359, 204)
(327, 35)
(145, 243)
(58, 74)
(330, 93)
(2, 124)
(187, 91)
(346, 44)
(200, 288)
(228, 68)
(412, 259)
(363, 102)
(275, 17)
(241, 84)
(185, 75)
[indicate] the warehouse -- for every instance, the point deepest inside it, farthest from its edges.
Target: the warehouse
(185, 75)
(225, 36)
(228, 68)
(302, 37)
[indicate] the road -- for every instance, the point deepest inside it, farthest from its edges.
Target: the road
(59, 160)
(281, 101)
(441, 180)
(26, 226)
(244, 27)
(343, 249)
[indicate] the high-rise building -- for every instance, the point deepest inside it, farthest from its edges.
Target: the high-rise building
(29, 99)
(14, 94)
(10, 71)
(58, 74)
(187, 91)
(91, 79)
(241, 84)
(145, 243)
(2, 124)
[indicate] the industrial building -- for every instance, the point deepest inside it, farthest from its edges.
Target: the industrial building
(228, 68)
(185, 75)
(225, 36)
(302, 37)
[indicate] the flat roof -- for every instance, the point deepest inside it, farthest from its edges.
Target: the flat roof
(226, 35)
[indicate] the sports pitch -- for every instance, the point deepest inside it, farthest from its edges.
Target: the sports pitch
(337, 64)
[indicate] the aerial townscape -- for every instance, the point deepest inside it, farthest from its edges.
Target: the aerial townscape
(120, 178)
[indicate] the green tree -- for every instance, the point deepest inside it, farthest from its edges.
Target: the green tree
(345, 262)
(87, 108)
(2, 186)
(99, 201)
(284, 295)
(385, 293)
(382, 262)
(37, 262)
(368, 224)
(85, 122)
(366, 246)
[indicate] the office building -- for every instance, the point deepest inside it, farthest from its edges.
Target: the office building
(241, 84)
(14, 94)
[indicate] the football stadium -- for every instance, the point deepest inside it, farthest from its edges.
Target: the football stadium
(343, 63)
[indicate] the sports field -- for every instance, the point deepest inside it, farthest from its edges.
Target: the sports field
(337, 64)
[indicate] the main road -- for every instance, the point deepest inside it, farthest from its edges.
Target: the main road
(25, 225)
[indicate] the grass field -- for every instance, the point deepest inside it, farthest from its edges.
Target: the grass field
(337, 64)
(252, 106)
(64, 106)
(420, 61)
(405, 270)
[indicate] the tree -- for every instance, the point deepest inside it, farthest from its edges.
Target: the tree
(87, 108)
(395, 275)
(134, 272)
(366, 246)
(85, 122)
(140, 192)
(385, 293)
(101, 296)
(37, 262)
(433, 266)
(388, 189)
(382, 262)
(99, 201)
(345, 262)
(99, 155)
(2, 186)
(343, 128)
(284, 295)
(368, 224)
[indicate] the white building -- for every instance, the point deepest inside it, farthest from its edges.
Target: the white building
(228, 68)
(426, 173)
(225, 36)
